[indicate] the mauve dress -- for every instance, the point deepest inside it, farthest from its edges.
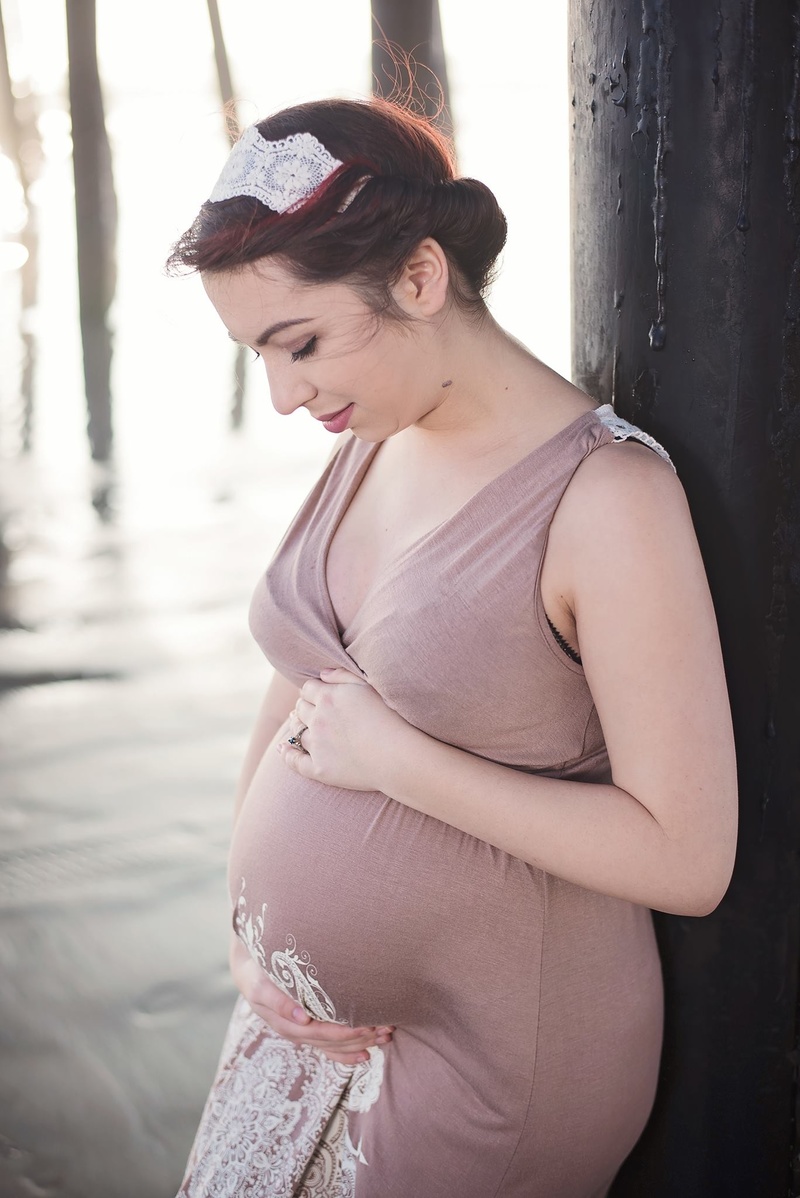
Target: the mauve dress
(529, 1010)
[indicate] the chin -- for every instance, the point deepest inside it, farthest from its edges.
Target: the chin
(374, 430)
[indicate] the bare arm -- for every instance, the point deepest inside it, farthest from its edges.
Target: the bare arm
(278, 702)
(663, 832)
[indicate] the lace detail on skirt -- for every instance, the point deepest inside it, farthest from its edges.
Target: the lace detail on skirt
(275, 1124)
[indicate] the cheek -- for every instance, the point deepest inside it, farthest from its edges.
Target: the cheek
(377, 377)
(389, 377)
(357, 375)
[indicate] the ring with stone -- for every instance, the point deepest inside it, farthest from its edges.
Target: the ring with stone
(296, 741)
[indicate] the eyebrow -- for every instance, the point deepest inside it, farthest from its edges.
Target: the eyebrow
(264, 337)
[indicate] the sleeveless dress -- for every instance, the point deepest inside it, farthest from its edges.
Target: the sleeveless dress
(528, 1009)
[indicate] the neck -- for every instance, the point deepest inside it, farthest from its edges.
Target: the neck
(489, 383)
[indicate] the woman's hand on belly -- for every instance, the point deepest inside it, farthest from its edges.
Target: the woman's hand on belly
(339, 1042)
(347, 732)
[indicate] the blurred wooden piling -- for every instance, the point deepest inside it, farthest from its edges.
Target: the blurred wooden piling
(408, 57)
(233, 128)
(96, 221)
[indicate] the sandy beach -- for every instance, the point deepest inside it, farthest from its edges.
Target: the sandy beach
(129, 687)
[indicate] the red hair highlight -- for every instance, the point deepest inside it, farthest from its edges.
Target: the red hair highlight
(403, 172)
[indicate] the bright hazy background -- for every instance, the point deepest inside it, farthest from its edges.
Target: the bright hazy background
(172, 361)
(128, 676)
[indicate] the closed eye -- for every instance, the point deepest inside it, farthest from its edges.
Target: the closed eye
(305, 351)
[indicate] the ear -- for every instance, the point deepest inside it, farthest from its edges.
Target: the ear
(422, 287)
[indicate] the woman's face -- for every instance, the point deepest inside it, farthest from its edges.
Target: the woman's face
(324, 350)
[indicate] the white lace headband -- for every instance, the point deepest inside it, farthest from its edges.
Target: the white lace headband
(281, 174)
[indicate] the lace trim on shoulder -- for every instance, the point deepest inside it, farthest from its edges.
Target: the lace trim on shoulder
(622, 429)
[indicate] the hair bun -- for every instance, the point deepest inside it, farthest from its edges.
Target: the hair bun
(469, 223)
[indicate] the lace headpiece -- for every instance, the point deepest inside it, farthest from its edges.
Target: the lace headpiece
(281, 174)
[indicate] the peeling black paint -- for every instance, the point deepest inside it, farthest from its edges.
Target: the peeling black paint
(644, 396)
(653, 96)
(663, 28)
(792, 124)
(687, 216)
(748, 86)
(614, 84)
(784, 435)
(716, 37)
(645, 91)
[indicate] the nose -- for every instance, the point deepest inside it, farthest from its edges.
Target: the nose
(288, 390)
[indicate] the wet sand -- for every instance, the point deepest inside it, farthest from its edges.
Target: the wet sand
(116, 786)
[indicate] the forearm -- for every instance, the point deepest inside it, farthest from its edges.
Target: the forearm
(596, 835)
(278, 702)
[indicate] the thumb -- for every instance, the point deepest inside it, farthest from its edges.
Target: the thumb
(340, 674)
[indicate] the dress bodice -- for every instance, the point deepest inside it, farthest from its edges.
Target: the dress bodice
(453, 633)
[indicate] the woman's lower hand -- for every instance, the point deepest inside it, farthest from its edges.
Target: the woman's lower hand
(337, 1041)
(347, 732)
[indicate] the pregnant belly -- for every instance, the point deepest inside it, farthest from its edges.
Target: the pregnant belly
(370, 912)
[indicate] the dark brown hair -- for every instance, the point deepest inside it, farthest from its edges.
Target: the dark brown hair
(409, 191)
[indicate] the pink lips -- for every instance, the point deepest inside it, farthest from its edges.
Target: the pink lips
(338, 421)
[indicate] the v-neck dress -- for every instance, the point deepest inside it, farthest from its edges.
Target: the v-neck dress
(528, 1009)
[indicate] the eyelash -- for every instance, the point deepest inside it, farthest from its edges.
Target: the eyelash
(305, 351)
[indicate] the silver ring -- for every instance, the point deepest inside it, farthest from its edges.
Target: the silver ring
(296, 741)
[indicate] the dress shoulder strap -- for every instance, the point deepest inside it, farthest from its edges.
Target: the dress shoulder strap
(623, 429)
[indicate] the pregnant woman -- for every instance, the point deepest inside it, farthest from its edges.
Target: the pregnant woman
(498, 732)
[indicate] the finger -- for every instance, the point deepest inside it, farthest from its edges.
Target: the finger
(350, 1043)
(347, 1058)
(304, 710)
(340, 674)
(261, 992)
(349, 1046)
(290, 1020)
(298, 1035)
(338, 1037)
(311, 689)
(298, 760)
(296, 728)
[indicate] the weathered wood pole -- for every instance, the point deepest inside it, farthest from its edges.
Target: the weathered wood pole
(96, 220)
(224, 77)
(414, 28)
(686, 302)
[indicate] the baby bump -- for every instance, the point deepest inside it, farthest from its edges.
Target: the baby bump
(370, 912)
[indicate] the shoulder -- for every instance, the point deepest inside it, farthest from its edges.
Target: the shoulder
(623, 516)
(621, 485)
